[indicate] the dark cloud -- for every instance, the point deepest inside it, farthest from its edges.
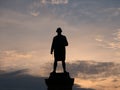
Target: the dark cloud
(91, 69)
(20, 80)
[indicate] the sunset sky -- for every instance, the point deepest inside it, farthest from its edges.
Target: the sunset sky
(27, 27)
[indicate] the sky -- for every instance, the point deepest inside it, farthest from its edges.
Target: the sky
(27, 27)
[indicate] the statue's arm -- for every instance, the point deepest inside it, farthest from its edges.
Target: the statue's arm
(52, 47)
(66, 42)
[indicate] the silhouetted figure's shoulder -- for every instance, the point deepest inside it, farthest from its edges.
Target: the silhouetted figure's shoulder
(59, 41)
(60, 36)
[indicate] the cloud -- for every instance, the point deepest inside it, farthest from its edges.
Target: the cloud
(18, 59)
(57, 2)
(113, 43)
(117, 38)
(15, 55)
(99, 38)
(112, 11)
(90, 69)
(35, 13)
(14, 59)
(21, 30)
(36, 7)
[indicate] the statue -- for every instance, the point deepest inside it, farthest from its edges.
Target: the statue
(58, 47)
(59, 81)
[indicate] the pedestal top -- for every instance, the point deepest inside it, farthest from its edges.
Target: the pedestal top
(59, 75)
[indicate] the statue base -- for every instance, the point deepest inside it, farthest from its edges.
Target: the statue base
(59, 81)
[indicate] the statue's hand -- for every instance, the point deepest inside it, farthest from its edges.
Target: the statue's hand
(51, 52)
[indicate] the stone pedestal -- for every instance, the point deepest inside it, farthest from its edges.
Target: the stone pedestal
(59, 81)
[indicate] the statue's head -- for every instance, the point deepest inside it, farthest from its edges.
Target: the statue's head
(59, 30)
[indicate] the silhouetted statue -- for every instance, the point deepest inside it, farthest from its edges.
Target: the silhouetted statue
(58, 46)
(59, 81)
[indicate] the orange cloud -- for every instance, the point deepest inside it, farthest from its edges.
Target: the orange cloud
(15, 55)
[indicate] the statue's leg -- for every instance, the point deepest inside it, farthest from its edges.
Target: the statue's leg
(55, 66)
(64, 66)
